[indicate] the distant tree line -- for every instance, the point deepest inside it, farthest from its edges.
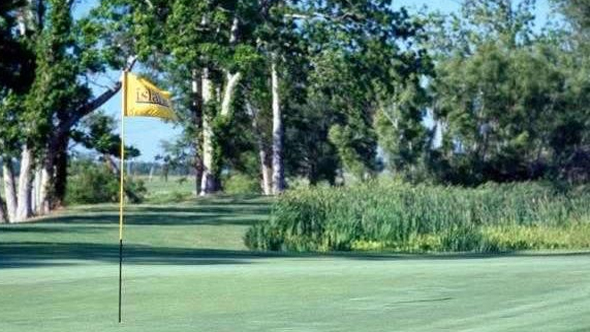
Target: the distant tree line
(276, 89)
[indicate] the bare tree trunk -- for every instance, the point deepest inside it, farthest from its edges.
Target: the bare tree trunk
(9, 189)
(24, 208)
(44, 186)
(278, 175)
(151, 175)
(208, 182)
(36, 191)
(263, 155)
(232, 82)
(266, 170)
(197, 118)
(232, 79)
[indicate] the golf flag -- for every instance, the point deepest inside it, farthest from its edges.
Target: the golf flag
(145, 99)
(139, 98)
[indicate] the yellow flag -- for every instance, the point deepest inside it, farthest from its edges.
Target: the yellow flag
(145, 99)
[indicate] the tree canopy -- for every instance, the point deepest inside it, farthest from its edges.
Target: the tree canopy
(283, 90)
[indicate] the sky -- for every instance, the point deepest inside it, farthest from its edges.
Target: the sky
(147, 133)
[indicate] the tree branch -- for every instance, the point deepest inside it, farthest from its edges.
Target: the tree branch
(87, 108)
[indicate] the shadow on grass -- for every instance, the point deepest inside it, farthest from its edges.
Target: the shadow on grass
(162, 216)
(141, 219)
(34, 254)
(31, 254)
(50, 229)
(218, 204)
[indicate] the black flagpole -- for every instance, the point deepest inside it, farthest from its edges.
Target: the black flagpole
(122, 188)
(120, 275)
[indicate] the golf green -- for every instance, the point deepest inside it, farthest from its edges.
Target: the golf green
(186, 269)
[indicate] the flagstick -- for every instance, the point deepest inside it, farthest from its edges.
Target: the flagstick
(121, 189)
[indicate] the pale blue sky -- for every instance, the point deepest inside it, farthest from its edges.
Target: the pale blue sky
(146, 133)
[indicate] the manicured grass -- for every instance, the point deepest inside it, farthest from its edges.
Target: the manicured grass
(186, 269)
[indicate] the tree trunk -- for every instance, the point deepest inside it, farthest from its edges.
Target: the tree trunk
(44, 187)
(198, 174)
(266, 170)
(3, 215)
(151, 175)
(60, 180)
(208, 181)
(232, 83)
(54, 173)
(263, 155)
(24, 208)
(278, 173)
(232, 79)
(197, 118)
(36, 192)
(9, 189)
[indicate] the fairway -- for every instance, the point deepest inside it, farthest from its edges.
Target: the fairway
(186, 269)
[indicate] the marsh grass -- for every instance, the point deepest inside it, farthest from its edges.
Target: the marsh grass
(394, 216)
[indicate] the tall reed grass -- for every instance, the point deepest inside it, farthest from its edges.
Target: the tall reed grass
(394, 216)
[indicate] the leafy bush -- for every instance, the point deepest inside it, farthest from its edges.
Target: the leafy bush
(396, 216)
(239, 184)
(91, 183)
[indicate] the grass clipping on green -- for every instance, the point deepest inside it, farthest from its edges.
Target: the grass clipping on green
(405, 218)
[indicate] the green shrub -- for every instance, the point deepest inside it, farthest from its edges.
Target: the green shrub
(396, 216)
(240, 184)
(91, 183)
(168, 197)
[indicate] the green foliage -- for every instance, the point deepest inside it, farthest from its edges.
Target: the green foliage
(397, 216)
(508, 104)
(92, 183)
(16, 76)
(55, 90)
(402, 135)
(96, 132)
(576, 11)
(15, 56)
(239, 184)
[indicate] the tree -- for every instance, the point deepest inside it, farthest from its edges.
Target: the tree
(96, 132)
(64, 54)
(213, 54)
(360, 55)
(502, 97)
(404, 138)
(578, 12)
(179, 154)
(89, 58)
(16, 62)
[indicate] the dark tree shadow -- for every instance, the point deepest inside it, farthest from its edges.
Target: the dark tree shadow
(31, 254)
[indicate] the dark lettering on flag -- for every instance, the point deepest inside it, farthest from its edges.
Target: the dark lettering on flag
(146, 95)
